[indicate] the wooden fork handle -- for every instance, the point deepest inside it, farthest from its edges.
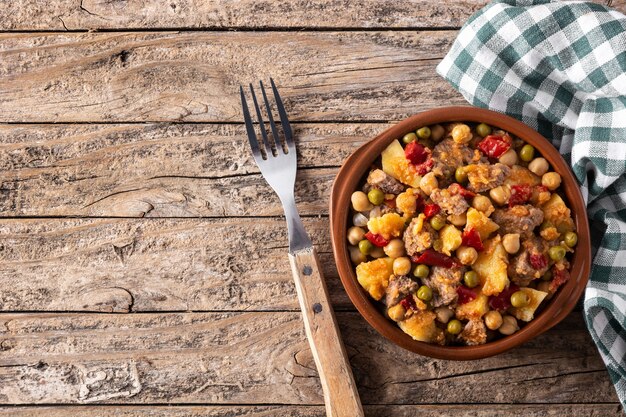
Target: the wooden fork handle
(340, 394)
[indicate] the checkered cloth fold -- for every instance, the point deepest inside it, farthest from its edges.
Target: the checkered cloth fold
(561, 68)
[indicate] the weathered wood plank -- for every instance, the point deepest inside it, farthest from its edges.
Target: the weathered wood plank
(160, 170)
(27, 15)
(263, 358)
(619, 5)
(156, 264)
(468, 410)
(195, 76)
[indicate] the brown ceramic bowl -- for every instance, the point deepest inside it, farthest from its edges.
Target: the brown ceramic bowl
(352, 173)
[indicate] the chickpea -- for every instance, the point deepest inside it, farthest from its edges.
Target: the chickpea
(538, 166)
(395, 248)
(551, 180)
(509, 158)
(356, 256)
(377, 252)
(437, 132)
(509, 325)
(500, 195)
(444, 314)
(428, 183)
(396, 313)
(401, 266)
(482, 203)
(510, 242)
(360, 202)
(493, 320)
(467, 255)
(458, 220)
(355, 235)
(461, 133)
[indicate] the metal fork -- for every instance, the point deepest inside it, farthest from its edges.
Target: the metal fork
(277, 162)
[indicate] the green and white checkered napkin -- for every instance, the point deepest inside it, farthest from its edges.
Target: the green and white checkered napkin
(561, 68)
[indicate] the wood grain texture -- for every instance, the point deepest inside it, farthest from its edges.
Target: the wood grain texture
(195, 76)
(126, 265)
(161, 170)
(341, 397)
(144, 14)
(619, 5)
(466, 410)
(263, 358)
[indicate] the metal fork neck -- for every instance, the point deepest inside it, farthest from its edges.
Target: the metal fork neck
(298, 237)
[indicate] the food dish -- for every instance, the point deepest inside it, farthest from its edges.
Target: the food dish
(460, 233)
(450, 200)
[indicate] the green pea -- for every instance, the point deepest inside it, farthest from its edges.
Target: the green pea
(375, 196)
(437, 222)
(483, 129)
(527, 153)
(571, 239)
(423, 132)
(557, 253)
(409, 137)
(365, 246)
(471, 279)
(460, 175)
(421, 271)
(546, 225)
(547, 276)
(454, 327)
(425, 293)
(519, 299)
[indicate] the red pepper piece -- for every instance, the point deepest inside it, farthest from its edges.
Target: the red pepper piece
(431, 257)
(471, 238)
(416, 153)
(431, 210)
(520, 194)
(502, 301)
(377, 240)
(457, 188)
(419, 156)
(494, 146)
(538, 260)
(465, 294)
(409, 303)
(425, 167)
(559, 277)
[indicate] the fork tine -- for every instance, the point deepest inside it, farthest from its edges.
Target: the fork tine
(268, 148)
(254, 144)
(271, 119)
(283, 118)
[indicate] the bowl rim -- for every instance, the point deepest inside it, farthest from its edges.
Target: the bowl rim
(354, 168)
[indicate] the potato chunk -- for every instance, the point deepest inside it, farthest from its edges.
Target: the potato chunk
(527, 313)
(374, 276)
(389, 225)
(421, 326)
(478, 221)
(451, 238)
(395, 164)
(491, 267)
(556, 212)
(474, 309)
(522, 176)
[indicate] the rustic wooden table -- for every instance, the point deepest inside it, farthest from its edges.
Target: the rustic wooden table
(143, 259)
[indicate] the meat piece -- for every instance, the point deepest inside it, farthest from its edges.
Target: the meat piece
(474, 333)
(484, 177)
(520, 219)
(377, 178)
(443, 282)
(522, 268)
(448, 155)
(419, 236)
(398, 289)
(452, 204)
